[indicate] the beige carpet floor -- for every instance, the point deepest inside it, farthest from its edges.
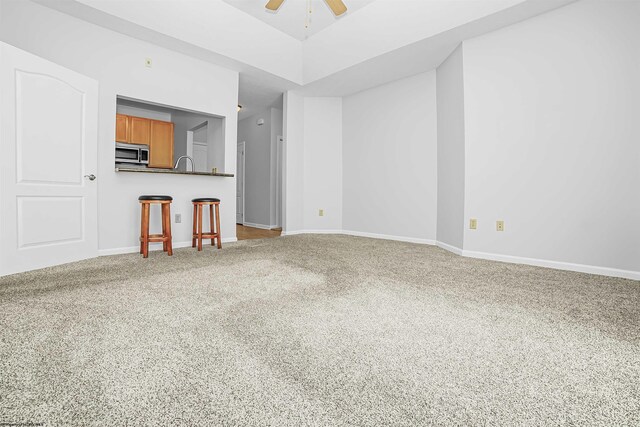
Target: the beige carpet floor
(317, 331)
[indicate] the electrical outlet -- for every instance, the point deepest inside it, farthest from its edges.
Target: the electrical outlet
(148, 62)
(320, 212)
(500, 225)
(473, 223)
(178, 218)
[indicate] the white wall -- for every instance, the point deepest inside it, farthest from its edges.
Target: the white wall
(390, 159)
(142, 112)
(217, 145)
(552, 141)
(233, 36)
(322, 164)
(293, 104)
(200, 134)
(386, 27)
(313, 164)
(117, 62)
(451, 151)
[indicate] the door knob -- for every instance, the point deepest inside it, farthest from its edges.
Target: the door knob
(91, 177)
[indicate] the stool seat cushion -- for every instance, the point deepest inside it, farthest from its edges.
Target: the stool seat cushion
(157, 198)
(206, 200)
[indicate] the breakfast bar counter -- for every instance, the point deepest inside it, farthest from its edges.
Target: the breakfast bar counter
(170, 171)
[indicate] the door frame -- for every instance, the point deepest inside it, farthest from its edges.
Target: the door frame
(190, 143)
(279, 179)
(244, 163)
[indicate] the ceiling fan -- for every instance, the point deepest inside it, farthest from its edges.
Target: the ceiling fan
(337, 6)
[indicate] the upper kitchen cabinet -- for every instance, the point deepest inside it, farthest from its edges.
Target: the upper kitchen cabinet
(161, 145)
(122, 128)
(139, 130)
(133, 130)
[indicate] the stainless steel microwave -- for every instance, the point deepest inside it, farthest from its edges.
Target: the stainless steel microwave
(135, 154)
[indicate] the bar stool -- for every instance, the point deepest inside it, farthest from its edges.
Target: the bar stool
(213, 234)
(165, 237)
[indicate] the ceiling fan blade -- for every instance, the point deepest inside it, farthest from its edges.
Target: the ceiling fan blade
(337, 6)
(274, 4)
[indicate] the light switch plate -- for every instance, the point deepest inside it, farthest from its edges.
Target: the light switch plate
(178, 218)
(500, 225)
(473, 223)
(320, 212)
(148, 63)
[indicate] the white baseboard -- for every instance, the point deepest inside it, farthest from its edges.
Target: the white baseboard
(260, 226)
(362, 234)
(389, 237)
(557, 265)
(297, 232)
(449, 248)
(153, 247)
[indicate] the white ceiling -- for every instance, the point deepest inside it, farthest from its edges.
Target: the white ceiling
(292, 16)
(384, 41)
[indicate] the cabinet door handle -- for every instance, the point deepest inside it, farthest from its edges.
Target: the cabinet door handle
(91, 177)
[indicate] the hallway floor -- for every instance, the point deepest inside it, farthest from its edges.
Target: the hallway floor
(248, 233)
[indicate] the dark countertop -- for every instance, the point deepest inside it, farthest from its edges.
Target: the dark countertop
(170, 171)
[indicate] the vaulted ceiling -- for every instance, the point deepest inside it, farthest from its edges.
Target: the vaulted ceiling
(298, 18)
(375, 42)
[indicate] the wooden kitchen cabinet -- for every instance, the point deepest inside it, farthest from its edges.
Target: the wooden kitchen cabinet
(139, 130)
(122, 128)
(161, 145)
(158, 135)
(133, 130)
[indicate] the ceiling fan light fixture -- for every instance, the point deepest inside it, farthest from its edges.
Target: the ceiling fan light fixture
(337, 6)
(274, 5)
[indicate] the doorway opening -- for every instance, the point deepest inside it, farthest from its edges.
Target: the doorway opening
(259, 172)
(198, 146)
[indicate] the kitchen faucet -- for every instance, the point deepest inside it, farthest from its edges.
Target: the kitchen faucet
(184, 157)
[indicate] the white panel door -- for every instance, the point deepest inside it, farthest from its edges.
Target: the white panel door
(240, 184)
(48, 135)
(200, 154)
